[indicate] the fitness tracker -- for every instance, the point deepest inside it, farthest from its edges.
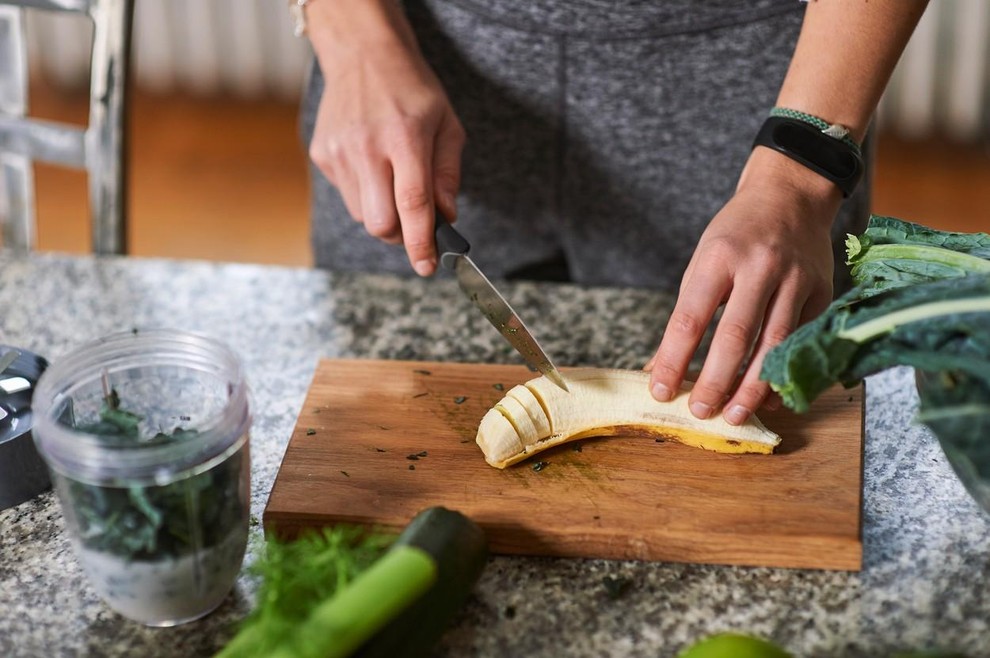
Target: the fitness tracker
(827, 151)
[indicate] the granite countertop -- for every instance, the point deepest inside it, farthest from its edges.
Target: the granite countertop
(926, 543)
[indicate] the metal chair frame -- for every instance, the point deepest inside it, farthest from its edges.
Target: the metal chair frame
(99, 147)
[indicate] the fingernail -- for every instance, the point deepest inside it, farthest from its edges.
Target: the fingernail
(701, 410)
(661, 392)
(736, 415)
(424, 267)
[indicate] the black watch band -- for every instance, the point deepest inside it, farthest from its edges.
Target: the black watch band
(833, 158)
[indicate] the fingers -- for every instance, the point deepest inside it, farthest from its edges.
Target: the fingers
(413, 188)
(378, 208)
(391, 190)
(773, 402)
(695, 307)
(781, 319)
(744, 402)
(390, 155)
(329, 158)
(731, 344)
(757, 317)
(447, 166)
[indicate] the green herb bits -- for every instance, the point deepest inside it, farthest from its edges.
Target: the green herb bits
(146, 437)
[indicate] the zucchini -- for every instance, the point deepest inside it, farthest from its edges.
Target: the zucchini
(458, 548)
(398, 605)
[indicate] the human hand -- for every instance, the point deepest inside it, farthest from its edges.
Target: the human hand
(767, 256)
(386, 135)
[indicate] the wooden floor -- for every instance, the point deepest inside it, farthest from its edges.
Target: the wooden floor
(211, 179)
(226, 180)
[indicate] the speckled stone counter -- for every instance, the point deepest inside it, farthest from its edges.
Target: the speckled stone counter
(927, 545)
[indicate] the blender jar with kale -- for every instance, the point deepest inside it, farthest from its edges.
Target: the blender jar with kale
(146, 437)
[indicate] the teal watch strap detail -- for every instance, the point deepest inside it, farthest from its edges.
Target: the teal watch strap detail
(834, 130)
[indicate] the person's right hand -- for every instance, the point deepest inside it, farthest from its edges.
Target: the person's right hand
(386, 135)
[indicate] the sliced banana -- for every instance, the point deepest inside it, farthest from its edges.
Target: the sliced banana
(520, 420)
(604, 402)
(534, 408)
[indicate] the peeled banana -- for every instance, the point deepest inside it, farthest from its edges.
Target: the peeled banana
(602, 402)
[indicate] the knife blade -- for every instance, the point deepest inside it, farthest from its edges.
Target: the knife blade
(453, 250)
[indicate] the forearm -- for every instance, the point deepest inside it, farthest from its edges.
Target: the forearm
(845, 54)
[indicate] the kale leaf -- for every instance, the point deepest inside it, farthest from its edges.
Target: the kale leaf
(942, 325)
(955, 406)
(149, 521)
(892, 253)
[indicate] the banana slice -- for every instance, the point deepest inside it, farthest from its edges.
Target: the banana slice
(604, 402)
(533, 407)
(519, 418)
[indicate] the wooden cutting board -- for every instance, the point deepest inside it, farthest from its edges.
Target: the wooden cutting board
(378, 441)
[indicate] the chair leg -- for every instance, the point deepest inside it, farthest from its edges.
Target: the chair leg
(106, 138)
(17, 209)
(16, 173)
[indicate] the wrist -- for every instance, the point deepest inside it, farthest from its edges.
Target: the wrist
(824, 148)
(771, 172)
(356, 25)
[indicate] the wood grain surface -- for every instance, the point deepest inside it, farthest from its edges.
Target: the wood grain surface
(378, 441)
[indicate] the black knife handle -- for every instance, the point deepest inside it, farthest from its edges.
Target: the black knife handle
(450, 243)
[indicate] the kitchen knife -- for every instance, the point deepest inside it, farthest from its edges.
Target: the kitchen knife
(453, 249)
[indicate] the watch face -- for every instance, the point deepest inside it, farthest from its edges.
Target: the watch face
(810, 144)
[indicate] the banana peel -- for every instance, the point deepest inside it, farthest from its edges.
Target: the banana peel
(538, 415)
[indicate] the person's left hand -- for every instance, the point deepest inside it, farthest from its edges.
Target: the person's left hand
(766, 256)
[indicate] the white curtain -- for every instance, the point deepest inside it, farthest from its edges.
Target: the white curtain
(246, 47)
(241, 47)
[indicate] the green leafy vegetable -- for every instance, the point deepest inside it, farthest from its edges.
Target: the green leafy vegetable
(297, 577)
(944, 325)
(892, 253)
(923, 300)
(150, 522)
(340, 593)
(955, 406)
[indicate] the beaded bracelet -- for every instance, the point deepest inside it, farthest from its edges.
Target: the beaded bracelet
(297, 8)
(835, 130)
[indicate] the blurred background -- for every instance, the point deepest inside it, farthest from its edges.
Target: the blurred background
(217, 170)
